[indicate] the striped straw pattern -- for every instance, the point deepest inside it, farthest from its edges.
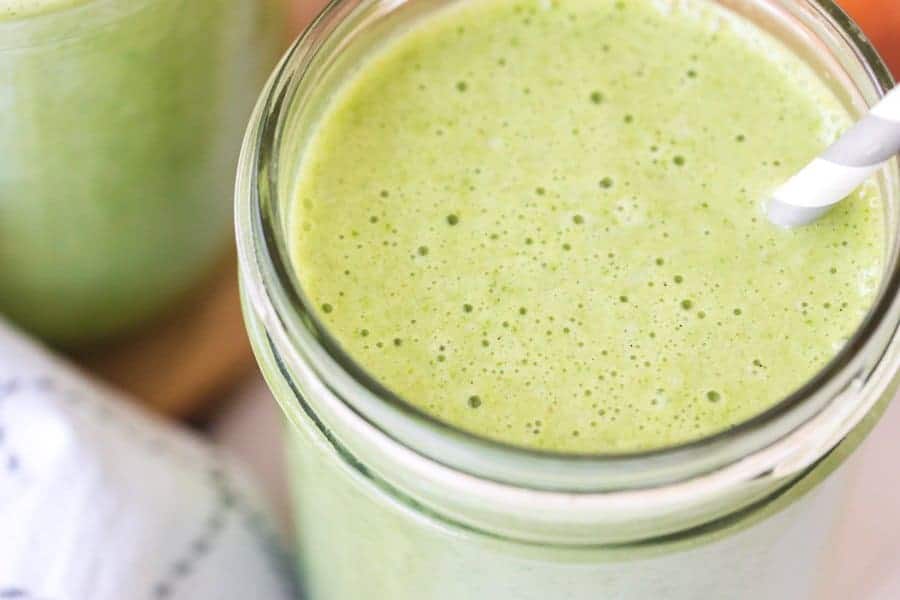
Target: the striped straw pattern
(841, 168)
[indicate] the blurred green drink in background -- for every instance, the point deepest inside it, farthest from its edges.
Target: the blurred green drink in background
(120, 124)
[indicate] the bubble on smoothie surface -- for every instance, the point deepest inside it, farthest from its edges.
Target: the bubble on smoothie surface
(567, 253)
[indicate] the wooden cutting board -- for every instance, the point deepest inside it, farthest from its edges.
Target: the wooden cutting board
(184, 363)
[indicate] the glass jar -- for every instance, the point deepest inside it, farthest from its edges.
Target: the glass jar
(393, 504)
(120, 128)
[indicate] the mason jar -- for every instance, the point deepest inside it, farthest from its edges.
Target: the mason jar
(390, 503)
(120, 128)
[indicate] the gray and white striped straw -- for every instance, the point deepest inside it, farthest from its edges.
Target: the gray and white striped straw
(841, 168)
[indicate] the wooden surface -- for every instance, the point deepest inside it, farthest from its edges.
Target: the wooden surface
(182, 364)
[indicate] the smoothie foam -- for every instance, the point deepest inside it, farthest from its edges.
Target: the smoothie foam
(540, 221)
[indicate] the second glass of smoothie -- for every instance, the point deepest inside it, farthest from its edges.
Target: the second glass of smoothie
(121, 120)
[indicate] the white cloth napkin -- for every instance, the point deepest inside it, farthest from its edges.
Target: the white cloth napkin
(100, 501)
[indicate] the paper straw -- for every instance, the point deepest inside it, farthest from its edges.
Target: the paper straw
(841, 168)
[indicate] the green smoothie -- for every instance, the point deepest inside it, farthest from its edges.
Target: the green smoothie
(10, 9)
(121, 122)
(542, 222)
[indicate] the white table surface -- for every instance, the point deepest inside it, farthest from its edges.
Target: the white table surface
(864, 561)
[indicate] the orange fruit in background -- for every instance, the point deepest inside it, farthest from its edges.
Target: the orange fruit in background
(302, 12)
(880, 20)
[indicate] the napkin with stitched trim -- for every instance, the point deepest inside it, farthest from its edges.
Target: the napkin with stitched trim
(100, 501)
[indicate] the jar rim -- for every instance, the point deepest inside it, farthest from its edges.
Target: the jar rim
(266, 263)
